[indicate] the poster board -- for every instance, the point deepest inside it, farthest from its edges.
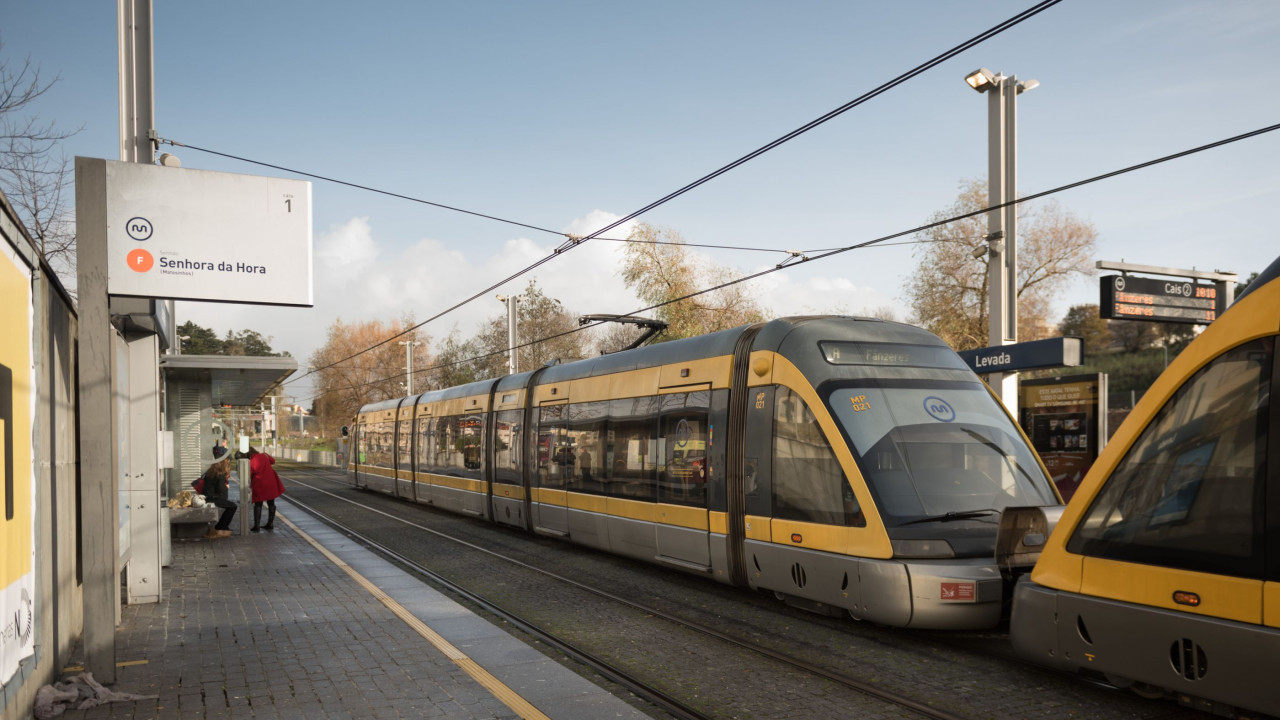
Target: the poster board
(17, 514)
(1066, 420)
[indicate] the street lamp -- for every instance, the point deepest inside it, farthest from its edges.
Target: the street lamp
(408, 361)
(1002, 222)
(511, 302)
(180, 339)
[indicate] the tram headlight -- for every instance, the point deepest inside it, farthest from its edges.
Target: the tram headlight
(922, 549)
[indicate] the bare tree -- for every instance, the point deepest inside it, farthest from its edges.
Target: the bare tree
(948, 291)
(659, 268)
(34, 173)
(378, 374)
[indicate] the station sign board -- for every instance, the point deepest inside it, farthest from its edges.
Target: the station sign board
(1125, 297)
(1052, 352)
(200, 235)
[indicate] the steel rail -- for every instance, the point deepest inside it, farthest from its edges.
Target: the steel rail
(622, 677)
(839, 678)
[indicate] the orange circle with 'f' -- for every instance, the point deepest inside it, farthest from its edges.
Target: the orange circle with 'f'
(140, 260)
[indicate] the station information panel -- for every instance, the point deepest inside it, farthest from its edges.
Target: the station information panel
(1125, 297)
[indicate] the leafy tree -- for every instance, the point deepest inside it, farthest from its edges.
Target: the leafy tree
(248, 342)
(1085, 322)
(659, 268)
(343, 385)
(538, 318)
(455, 363)
(200, 340)
(948, 291)
(34, 174)
(204, 341)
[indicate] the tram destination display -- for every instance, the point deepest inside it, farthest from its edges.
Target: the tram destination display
(1125, 297)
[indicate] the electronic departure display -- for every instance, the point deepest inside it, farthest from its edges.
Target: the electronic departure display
(1182, 301)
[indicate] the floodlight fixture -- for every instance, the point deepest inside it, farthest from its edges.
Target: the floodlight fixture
(981, 79)
(1026, 85)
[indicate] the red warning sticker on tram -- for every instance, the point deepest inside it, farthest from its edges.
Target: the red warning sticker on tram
(957, 591)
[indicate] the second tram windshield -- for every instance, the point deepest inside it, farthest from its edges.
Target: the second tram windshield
(932, 447)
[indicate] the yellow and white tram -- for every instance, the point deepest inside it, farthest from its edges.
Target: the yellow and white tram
(1164, 571)
(844, 464)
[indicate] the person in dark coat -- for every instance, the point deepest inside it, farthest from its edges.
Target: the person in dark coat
(266, 488)
(215, 491)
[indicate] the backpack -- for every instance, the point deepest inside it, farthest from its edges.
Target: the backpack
(198, 485)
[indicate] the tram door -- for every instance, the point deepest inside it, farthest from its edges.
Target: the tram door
(404, 453)
(553, 462)
(682, 531)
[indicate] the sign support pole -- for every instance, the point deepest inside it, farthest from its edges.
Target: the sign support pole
(1002, 261)
(100, 431)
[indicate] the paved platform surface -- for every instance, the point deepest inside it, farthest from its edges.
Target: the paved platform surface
(270, 626)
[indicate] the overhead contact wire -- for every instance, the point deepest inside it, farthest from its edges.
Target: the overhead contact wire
(966, 45)
(358, 186)
(574, 241)
(882, 239)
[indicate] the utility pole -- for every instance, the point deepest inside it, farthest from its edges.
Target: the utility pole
(408, 362)
(1002, 223)
(513, 365)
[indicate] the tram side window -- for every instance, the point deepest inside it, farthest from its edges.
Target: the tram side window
(632, 448)
(426, 444)
(1188, 494)
(459, 445)
(404, 449)
(808, 482)
(380, 443)
(508, 427)
(387, 444)
(362, 443)
(553, 450)
(580, 457)
(683, 476)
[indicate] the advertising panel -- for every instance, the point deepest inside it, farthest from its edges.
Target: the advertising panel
(17, 412)
(200, 235)
(1065, 419)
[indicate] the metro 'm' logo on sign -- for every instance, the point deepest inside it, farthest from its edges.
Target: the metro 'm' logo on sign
(140, 260)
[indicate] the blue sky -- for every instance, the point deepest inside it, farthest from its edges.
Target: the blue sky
(567, 115)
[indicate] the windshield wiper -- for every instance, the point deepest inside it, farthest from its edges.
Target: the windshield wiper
(954, 515)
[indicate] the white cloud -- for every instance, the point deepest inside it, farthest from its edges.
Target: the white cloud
(357, 277)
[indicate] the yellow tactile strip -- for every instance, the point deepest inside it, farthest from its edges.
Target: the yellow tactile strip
(509, 697)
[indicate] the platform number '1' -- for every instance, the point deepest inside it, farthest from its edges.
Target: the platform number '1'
(288, 205)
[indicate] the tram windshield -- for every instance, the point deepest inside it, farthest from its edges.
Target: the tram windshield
(935, 450)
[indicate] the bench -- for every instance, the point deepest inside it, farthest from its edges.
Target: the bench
(192, 522)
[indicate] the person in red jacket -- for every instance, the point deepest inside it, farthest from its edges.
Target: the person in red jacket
(266, 487)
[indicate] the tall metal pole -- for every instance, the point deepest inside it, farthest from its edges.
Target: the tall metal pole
(513, 363)
(101, 360)
(1002, 223)
(1001, 269)
(513, 356)
(408, 362)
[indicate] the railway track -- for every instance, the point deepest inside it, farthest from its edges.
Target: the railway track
(769, 661)
(620, 675)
